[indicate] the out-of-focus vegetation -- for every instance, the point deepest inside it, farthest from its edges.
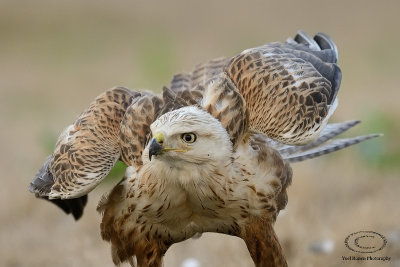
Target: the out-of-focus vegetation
(384, 152)
(117, 172)
(57, 56)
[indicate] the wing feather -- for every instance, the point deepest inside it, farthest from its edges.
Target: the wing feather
(86, 150)
(289, 88)
(223, 101)
(115, 126)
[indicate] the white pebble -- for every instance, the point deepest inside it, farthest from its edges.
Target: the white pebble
(323, 246)
(190, 262)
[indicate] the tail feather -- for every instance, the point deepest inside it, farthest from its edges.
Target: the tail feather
(328, 147)
(324, 144)
(330, 131)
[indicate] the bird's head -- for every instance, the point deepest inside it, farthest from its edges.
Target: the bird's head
(189, 135)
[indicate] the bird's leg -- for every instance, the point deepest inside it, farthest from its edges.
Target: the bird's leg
(263, 243)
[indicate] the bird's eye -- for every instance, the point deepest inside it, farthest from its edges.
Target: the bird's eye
(189, 137)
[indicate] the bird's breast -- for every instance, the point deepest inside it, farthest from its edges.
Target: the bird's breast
(189, 202)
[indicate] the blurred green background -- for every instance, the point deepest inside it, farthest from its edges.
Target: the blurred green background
(57, 56)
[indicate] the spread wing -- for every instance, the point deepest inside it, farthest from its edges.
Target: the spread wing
(288, 92)
(86, 150)
(115, 126)
(290, 88)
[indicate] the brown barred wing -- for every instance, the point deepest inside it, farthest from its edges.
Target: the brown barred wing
(86, 150)
(290, 88)
(224, 102)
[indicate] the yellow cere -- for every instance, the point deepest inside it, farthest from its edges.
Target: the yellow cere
(159, 138)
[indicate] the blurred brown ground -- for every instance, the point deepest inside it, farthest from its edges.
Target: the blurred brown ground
(56, 56)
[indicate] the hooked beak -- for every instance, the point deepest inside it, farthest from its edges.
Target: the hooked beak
(155, 148)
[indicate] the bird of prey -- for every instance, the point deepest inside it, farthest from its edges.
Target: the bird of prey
(211, 153)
